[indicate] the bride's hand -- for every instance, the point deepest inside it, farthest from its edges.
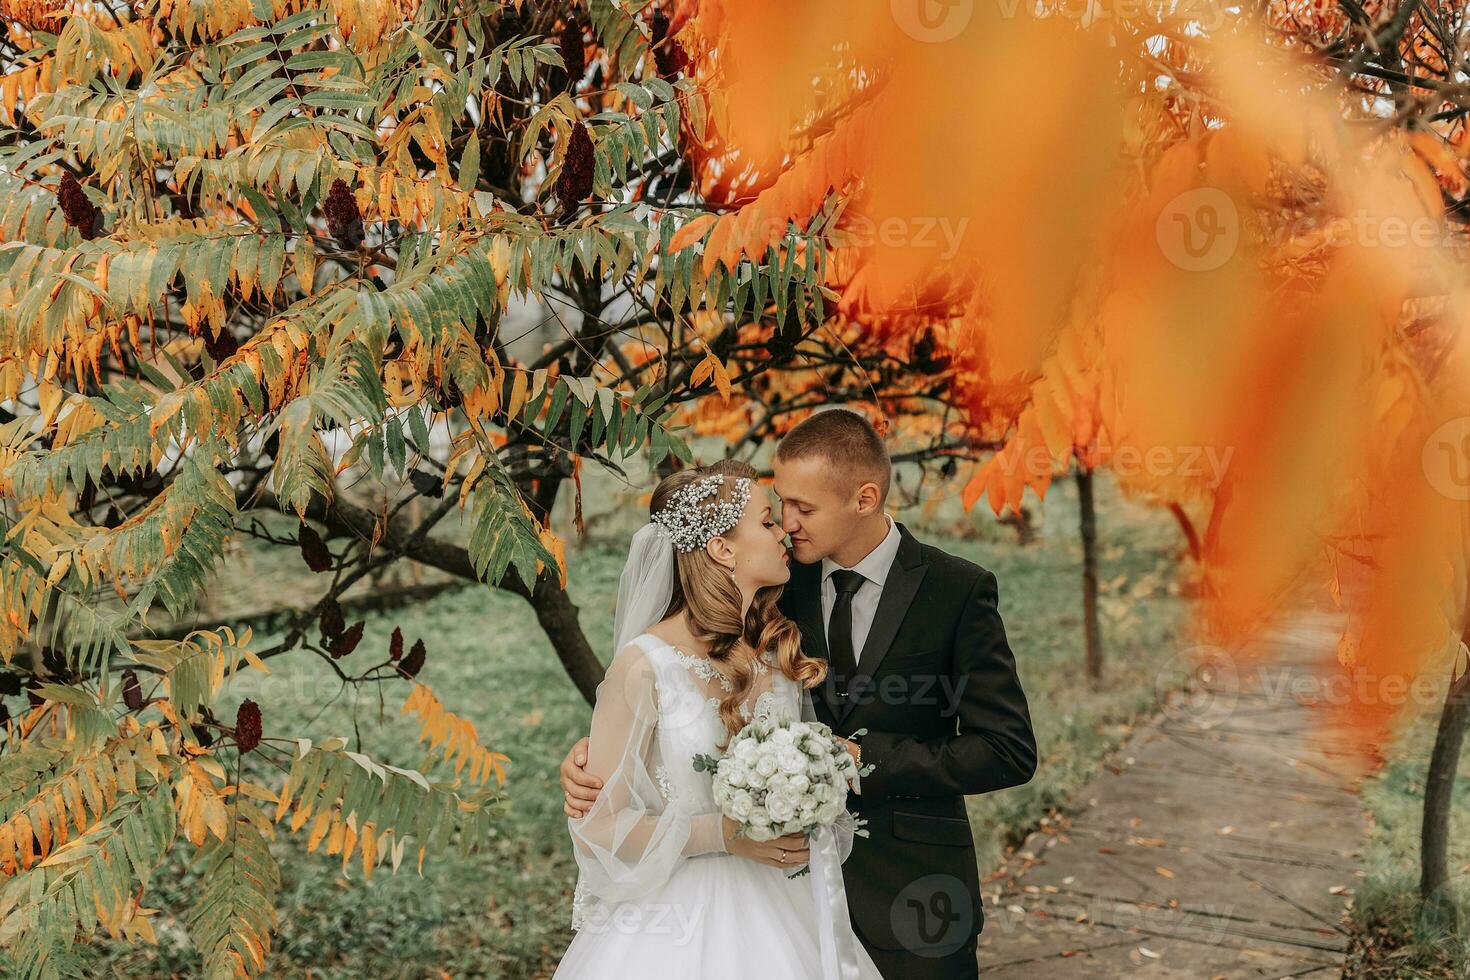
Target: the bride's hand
(578, 786)
(769, 852)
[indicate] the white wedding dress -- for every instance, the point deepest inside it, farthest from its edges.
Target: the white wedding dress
(657, 896)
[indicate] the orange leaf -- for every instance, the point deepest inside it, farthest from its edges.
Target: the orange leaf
(690, 233)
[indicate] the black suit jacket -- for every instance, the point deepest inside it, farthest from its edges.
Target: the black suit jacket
(937, 692)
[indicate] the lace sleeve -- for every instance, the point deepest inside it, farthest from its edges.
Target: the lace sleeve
(630, 841)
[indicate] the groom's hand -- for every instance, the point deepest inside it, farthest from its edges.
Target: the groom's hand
(578, 786)
(856, 751)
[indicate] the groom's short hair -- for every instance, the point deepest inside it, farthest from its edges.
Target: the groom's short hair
(844, 439)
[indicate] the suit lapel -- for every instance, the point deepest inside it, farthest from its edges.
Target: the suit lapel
(899, 590)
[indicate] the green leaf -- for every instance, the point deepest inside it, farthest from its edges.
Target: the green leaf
(469, 163)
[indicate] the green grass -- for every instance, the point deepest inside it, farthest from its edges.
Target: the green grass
(504, 911)
(1392, 940)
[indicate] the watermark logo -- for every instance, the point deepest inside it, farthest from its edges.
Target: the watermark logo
(1446, 459)
(933, 916)
(932, 21)
(1211, 688)
(1199, 230)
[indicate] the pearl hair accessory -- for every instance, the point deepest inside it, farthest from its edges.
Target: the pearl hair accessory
(690, 522)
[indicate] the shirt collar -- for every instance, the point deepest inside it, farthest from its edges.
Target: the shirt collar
(875, 566)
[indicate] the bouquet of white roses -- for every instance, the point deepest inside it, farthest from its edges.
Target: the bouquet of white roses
(784, 777)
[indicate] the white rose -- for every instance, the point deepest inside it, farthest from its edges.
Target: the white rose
(737, 774)
(828, 811)
(766, 766)
(744, 749)
(780, 808)
(760, 818)
(783, 736)
(815, 746)
(741, 804)
(800, 782)
(790, 801)
(791, 760)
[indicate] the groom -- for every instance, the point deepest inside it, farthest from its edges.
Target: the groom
(920, 681)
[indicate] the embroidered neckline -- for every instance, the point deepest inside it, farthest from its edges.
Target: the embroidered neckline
(705, 668)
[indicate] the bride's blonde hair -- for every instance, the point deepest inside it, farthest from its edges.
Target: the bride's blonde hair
(712, 600)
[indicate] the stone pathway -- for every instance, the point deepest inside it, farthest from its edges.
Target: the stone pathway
(1222, 841)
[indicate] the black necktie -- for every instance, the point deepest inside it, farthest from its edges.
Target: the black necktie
(839, 629)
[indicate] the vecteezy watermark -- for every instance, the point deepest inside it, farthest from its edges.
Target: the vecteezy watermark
(675, 919)
(1342, 688)
(1204, 14)
(932, 21)
(1205, 464)
(1199, 230)
(940, 233)
(936, 689)
(1446, 459)
(937, 21)
(1210, 691)
(933, 916)
(1201, 686)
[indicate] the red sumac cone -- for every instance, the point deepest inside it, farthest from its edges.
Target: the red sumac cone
(575, 182)
(344, 219)
(132, 692)
(247, 725)
(79, 212)
(573, 53)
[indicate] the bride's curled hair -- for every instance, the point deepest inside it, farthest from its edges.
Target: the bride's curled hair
(703, 588)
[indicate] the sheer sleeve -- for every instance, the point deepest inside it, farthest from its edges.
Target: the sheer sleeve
(630, 841)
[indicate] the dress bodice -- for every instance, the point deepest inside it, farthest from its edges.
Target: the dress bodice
(657, 708)
(689, 691)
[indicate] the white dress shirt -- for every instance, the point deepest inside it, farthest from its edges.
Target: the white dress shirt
(874, 570)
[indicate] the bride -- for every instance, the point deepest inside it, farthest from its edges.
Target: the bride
(664, 887)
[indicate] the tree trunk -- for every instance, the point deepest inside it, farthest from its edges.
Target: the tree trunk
(1439, 790)
(1091, 626)
(1191, 536)
(553, 606)
(557, 615)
